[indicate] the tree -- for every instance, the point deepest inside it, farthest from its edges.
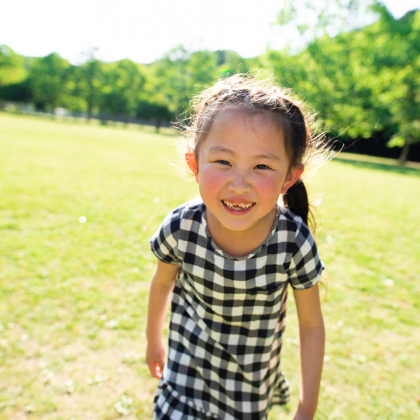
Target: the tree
(171, 76)
(16, 92)
(89, 81)
(397, 65)
(124, 82)
(12, 69)
(181, 73)
(230, 62)
(155, 111)
(363, 81)
(48, 80)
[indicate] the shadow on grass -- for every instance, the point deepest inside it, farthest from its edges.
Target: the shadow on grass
(403, 170)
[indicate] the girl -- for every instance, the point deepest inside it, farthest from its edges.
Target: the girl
(228, 257)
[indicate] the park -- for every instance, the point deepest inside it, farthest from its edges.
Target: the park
(89, 168)
(79, 205)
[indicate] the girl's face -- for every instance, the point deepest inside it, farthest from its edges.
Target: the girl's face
(242, 170)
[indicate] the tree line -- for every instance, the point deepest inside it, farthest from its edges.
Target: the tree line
(122, 89)
(363, 82)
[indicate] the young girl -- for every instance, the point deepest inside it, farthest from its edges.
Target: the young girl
(225, 261)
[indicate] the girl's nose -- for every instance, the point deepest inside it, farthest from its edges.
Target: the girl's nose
(239, 183)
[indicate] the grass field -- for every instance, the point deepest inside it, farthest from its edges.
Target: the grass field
(78, 205)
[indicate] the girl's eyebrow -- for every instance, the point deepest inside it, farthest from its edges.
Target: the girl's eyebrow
(270, 156)
(221, 149)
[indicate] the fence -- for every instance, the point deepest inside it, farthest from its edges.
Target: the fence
(68, 115)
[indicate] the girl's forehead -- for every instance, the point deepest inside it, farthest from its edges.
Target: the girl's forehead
(252, 119)
(246, 125)
(238, 130)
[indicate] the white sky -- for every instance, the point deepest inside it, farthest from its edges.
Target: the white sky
(143, 30)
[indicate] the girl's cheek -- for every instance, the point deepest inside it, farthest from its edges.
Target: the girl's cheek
(269, 187)
(211, 181)
(211, 175)
(211, 184)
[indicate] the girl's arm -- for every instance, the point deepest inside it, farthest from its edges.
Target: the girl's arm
(163, 282)
(312, 339)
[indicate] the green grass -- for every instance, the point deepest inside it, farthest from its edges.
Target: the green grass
(73, 296)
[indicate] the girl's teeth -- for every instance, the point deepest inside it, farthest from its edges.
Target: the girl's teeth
(241, 206)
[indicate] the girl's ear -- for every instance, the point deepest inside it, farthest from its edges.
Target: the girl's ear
(292, 177)
(192, 163)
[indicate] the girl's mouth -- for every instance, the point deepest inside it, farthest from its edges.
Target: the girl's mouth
(237, 206)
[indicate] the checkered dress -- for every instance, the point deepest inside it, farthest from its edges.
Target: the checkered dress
(228, 317)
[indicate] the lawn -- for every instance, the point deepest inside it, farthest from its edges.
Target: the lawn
(78, 206)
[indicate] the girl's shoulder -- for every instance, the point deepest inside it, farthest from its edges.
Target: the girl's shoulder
(293, 225)
(305, 264)
(164, 242)
(192, 209)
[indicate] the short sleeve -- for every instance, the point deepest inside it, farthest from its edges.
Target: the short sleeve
(164, 243)
(306, 266)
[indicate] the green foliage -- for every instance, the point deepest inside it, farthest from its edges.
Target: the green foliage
(180, 74)
(363, 81)
(398, 68)
(230, 62)
(153, 111)
(12, 69)
(17, 92)
(124, 81)
(89, 81)
(49, 77)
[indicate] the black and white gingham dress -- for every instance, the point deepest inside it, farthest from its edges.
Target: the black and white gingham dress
(228, 317)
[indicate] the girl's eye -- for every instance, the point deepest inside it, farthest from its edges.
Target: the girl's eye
(262, 167)
(223, 162)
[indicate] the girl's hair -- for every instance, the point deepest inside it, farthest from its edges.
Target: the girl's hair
(252, 96)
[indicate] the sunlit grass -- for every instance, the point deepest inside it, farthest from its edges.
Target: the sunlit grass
(78, 206)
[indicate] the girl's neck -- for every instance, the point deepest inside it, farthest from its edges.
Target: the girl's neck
(240, 243)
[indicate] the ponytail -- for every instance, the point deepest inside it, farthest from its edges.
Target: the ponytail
(296, 200)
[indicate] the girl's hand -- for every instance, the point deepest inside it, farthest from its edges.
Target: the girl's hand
(155, 359)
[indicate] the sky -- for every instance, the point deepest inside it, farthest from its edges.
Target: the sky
(143, 30)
